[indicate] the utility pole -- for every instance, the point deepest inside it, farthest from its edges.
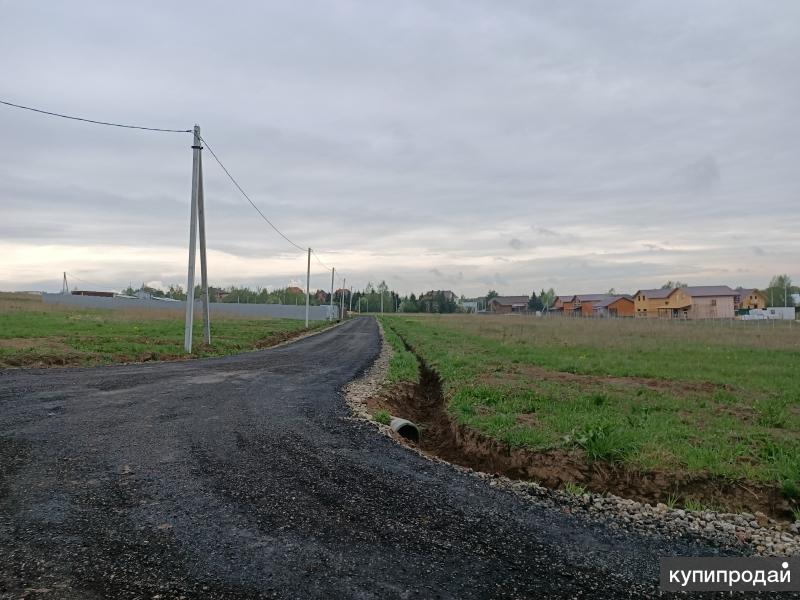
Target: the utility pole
(64, 285)
(201, 216)
(308, 283)
(381, 301)
(189, 323)
(333, 272)
(351, 299)
(341, 308)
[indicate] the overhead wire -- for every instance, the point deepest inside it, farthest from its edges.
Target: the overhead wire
(253, 204)
(73, 118)
(164, 130)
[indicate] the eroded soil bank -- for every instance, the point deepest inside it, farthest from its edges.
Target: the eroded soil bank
(443, 437)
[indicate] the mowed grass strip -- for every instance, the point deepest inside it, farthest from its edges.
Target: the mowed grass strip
(696, 397)
(36, 334)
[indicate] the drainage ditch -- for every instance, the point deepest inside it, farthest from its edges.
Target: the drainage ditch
(443, 437)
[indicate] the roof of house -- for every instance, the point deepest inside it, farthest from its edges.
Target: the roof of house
(591, 297)
(658, 293)
(565, 298)
(510, 300)
(740, 291)
(609, 300)
(709, 290)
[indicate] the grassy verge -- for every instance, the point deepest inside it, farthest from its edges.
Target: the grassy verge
(35, 334)
(686, 398)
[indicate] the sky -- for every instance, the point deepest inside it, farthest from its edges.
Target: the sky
(437, 144)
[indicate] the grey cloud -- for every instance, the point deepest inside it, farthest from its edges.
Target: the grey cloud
(702, 175)
(380, 130)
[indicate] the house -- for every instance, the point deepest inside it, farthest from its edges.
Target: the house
(693, 302)
(747, 299)
(647, 303)
(615, 306)
(92, 293)
(562, 305)
(508, 304)
(322, 297)
(710, 301)
(583, 304)
(293, 289)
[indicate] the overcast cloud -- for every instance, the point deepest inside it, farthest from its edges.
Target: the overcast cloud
(459, 145)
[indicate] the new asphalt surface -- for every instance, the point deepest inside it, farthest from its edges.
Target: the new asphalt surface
(246, 477)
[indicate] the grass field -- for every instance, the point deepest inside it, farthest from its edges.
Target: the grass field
(37, 334)
(689, 397)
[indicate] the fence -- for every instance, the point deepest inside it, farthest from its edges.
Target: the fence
(278, 311)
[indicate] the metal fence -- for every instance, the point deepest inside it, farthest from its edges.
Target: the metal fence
(278, 311)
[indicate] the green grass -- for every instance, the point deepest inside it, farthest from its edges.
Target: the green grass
(382, 416)
(32, 333)
(574, 489)
(687, 397)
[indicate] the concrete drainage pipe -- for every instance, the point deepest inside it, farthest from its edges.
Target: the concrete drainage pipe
(405, 428)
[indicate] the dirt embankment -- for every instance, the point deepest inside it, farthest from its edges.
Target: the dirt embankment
(443, 437)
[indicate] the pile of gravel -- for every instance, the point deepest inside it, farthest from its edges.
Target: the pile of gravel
(756, 532)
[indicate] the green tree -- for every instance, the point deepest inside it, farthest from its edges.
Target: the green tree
(671, 285)
(491, 294)
(547, 297)
(780, 290)
(534, 302)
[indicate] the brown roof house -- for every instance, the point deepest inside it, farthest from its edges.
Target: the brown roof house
(620, 305)
(583, 304)
(562, 304)
(505, 305)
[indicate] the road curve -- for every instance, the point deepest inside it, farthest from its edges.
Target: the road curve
(244, 477)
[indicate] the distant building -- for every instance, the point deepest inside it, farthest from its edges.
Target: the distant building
(92, 293)
(293, 289)
(693, 302)
(615, 306)
(583, 304)
(508, 304)
(747, 298)
(562, 305)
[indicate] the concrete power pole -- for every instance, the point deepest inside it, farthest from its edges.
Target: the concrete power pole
(308, 284)
(351, 299)
(201, 216)
(333, 272)
(189, 323)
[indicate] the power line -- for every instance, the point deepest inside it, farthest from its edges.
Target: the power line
(54, 114)
(253, 204)
(319, 260)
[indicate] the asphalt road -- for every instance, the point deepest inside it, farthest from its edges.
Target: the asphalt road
(244, 477)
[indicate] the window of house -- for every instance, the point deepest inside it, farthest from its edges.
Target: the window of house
(713, 302)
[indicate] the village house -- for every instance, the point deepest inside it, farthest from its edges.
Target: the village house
(615, 306)
(693, 302)
(583, 304)
(562, 304)
(748, 299)
(504, 305)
